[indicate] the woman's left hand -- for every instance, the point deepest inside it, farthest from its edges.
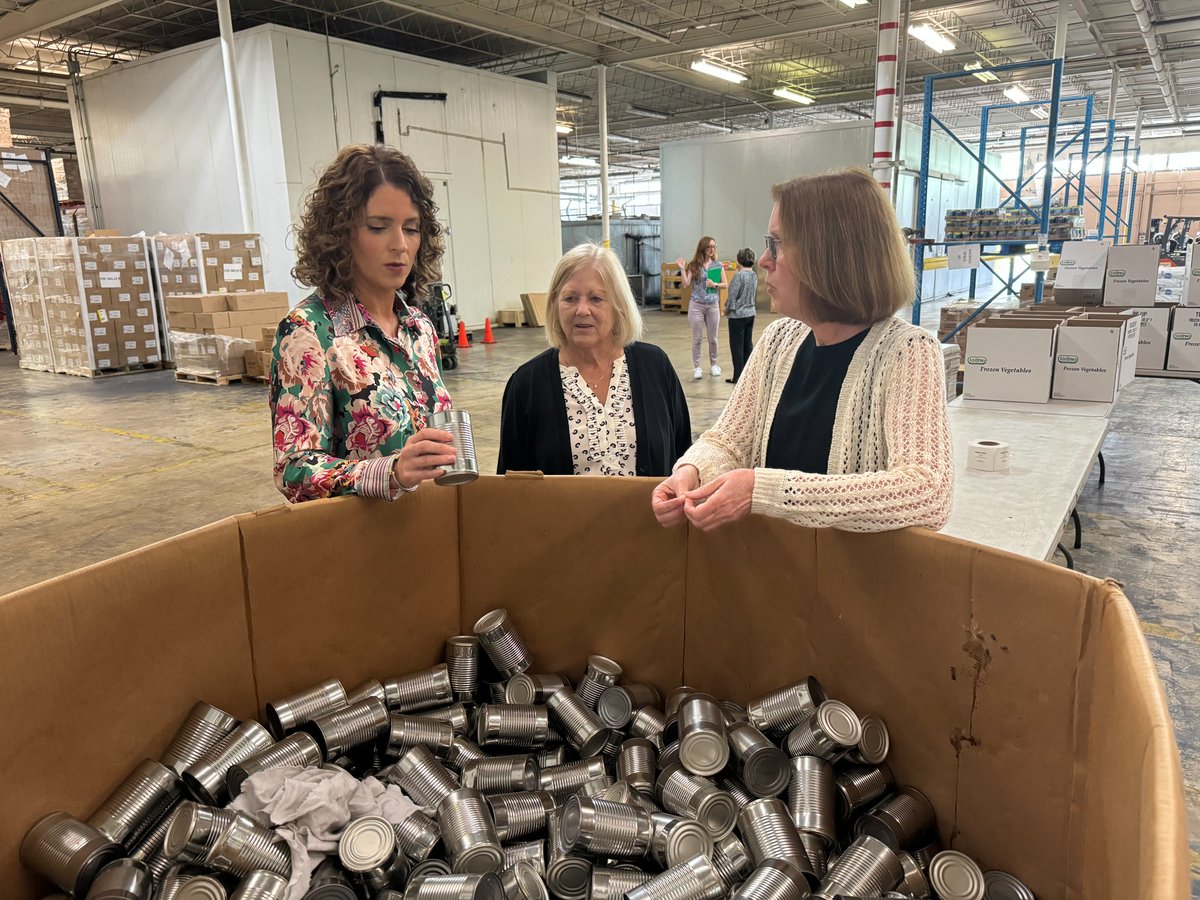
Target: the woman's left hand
(725, 499)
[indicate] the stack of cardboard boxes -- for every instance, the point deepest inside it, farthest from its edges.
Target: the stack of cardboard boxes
(208, 263)
(218, 335)
(86, 305)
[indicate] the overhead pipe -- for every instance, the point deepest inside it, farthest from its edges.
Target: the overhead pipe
(883, 157)
(602, 103)
(34, 102)
(1142, 11)
(241, 159)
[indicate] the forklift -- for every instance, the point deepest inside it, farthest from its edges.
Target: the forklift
(1174, 234)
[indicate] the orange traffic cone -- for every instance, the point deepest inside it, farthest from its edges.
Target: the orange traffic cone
(488, 337)
(462, 334)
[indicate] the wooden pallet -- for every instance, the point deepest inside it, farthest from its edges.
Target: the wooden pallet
(112, 371)
(197, 378)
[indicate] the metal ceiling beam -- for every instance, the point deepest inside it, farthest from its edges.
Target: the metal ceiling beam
(35, 102)
(46, 14)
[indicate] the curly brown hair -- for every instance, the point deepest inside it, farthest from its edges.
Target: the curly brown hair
(335, 206)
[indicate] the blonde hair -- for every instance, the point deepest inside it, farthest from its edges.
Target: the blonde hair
(845, 244)
(627, 320)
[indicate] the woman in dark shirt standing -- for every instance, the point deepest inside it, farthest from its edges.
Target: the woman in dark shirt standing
(599, 401)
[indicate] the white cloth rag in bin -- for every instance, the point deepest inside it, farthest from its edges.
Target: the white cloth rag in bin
(308, 808)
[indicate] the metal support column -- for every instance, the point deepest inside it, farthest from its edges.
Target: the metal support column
(602, 102)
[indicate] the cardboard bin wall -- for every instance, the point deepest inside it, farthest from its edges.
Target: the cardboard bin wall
(1021, 697)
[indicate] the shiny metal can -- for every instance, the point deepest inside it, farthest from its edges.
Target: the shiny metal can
(769, 833)
(225, 840)
(703, 741)
(1003, 886)
(419, 690)
(604, 828)
(469, 833)
(423, 778)
(732, 861)
(579, 724)
(621, 792)
(899, 820)
(500, 640)
(261, 885)
(914, 881)
(811, 796)
(193, 830)
(454, 714)
(817, 850)
(677, 696)
(521, 814)
(955, 876)
(367, 848)
(829, 733)
(137, 803)
(348, 727)
(405, 732)
(331, 882)
(458, 423)
(676, 840)
(204, 728)
(873, 746)
(299, 750)
(685, 794)
(426, 868)
(532, 852)
(470, 886)
(568, 875)
(501, 774)
(522, 725)
(866, 868)
(595, 787)
(363, 691)
(734, 787)
(148, 848)
(600, 674)
(173, 879)
(122, 879)
(613, 884)
(774, 879)
(858, 786)
(926, 852)
(202, 887)
(760, 765)
(648, 722)
(204, 780)
(524, 688)
(462, 661)
(291, 712)
(67, 852)
(548, 757)
(734, 713)
(636, 766)
(523, 881)
(463, 751)
(618, 703)
(693, 879)
(417, 836)
(785, 708)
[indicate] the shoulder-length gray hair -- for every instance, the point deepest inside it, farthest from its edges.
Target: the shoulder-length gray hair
(627, 320)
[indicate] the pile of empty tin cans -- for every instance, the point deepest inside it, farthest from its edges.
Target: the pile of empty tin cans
(529, 788)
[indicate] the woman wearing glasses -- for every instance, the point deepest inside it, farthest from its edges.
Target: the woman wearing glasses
(839, 418)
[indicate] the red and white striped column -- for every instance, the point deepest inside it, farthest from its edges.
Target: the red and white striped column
(885, 92)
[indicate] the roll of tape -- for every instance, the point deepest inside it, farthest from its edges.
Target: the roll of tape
(987, 456)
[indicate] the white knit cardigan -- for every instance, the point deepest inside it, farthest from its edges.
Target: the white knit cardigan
(890, 462)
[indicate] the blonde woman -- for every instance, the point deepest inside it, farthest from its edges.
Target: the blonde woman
(839, 418)
(599, 401)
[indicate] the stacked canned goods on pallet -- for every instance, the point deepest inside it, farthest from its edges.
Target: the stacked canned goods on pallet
(1013, 224)
(528, 787)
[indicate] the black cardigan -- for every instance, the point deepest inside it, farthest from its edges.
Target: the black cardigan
(534, 435)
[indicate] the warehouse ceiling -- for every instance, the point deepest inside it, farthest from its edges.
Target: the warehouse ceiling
(824, 49)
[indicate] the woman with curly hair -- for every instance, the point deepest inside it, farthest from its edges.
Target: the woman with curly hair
(355, 374)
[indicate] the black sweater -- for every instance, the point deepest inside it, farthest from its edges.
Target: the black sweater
(534, 435)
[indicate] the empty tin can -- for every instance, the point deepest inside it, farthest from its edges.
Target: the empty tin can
(245, 846)
(532, 852)
(1002, 886)
(503, 645)
(173, 879)
(453, 714)
(873, 746)
(955, 876)
(462, 660)
(368, 850)
(417, 836)
(458, 423)
(604, 828)
(520, 815)
(562, 781)
(677, 839)
(472, 886)
(501, 774)
(867, 868)
(204, 728)
(685, 794)
(525, 688)
(783, 709)
(469, 833)
(578, 723)
(261, 885)
(734, 713)
(291, 712)
(204, 780)
(463, 751)
(148, 848)
(817, 850)
(668, 756)
(618, 703)
(350, 726)
(732, 861)
(898, 820)
(774, 879)
(648, 722)
(858, 786)
(703, 742)
(522, 725)
(760, 765)
(426, 868)
(122, 879)
(613, 884)
(769, 833)
(600, 674)
(548, 757)
(811, 800)
(568, 875)
(621, 792)
(363, 691)
(677, 696)
(635, 764)
(67, 852)
(926, 852)
(523, 881)
(405, 732)
(299, 750)
(693, 879)
(832, 730)
(193, 831)
(202, 887)
(419, 690)
(423, 778)
(137, 803)
(331, 882)
(914, 881)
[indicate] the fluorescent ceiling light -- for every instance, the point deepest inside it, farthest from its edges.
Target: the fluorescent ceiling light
(1016, 94)
(715, 126)
(573, 98)
(795, 96)
(577, 161)
(717, 71)
(629, 27)
(646, 113)
(563, 128)
(854, 3)
(931, 38)
(1040, 111)
(984, 76)
(622, 139)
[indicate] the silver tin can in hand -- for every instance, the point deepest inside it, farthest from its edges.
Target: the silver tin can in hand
(458, 423)
(67, 852)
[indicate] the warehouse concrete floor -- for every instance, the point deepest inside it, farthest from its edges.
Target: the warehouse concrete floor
(93, 468)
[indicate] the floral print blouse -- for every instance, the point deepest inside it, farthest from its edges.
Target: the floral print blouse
(345, 397)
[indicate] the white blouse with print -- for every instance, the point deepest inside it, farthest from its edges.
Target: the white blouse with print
(603, 439)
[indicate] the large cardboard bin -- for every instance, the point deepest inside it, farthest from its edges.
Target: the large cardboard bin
(1021, 697)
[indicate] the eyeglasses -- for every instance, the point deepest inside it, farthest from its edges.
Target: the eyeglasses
(773, 246)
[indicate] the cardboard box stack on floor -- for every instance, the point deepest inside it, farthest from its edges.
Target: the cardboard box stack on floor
(208, 263)
(25, 183)
(954, 314)
(94, 299)
(219, 334)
